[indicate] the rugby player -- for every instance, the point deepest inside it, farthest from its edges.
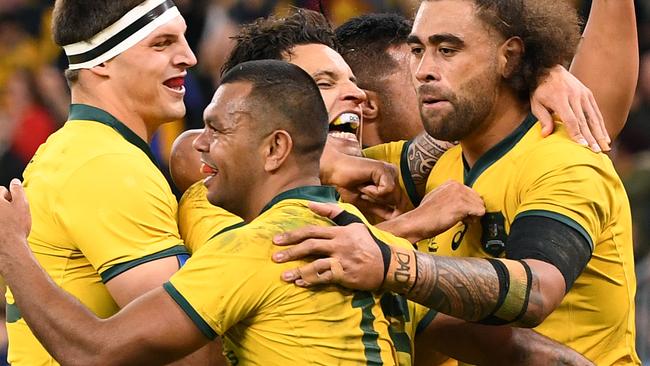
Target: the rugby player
(265, 131)
(104, 217)
(556, 232)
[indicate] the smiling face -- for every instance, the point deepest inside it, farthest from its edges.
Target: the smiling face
(454, 68)
(228, 146)
(149, 77)
(337, 86)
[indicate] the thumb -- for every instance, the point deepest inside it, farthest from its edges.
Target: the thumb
(18, 197)
(329, 210)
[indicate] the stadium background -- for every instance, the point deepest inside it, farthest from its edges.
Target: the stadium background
(34, 97)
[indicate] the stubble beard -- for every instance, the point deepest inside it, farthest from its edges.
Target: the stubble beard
(471, 106)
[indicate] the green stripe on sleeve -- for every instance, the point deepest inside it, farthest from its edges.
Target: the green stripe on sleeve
(405, 172)
(425, 321)
(13, 313)
(118, 269)
(561, 218)
(203, 326)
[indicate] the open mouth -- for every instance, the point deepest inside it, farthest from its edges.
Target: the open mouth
(344, 125)
(208, 169)
(177, 84)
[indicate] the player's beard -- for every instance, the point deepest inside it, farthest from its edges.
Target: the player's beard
(471, 106)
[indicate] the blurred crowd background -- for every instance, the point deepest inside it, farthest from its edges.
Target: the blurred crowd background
(34, 97)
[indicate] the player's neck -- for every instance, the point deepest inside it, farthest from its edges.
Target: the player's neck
(118, 109)
(273, 186)
(505, 117)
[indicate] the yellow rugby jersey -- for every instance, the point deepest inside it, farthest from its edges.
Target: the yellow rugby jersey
(266, 321)
(99, 207)
(527, 175)
(396, 153)
(199, 220)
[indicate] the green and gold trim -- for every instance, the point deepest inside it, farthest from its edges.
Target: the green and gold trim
(84, 112)
(118, 269)
(13, 313)
(323, 194)
(561, 218)
(203, 326)
(497, 151)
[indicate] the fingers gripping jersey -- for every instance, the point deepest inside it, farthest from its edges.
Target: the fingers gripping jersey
(266, 321)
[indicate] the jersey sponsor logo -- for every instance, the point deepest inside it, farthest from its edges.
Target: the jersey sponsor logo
(458, 237)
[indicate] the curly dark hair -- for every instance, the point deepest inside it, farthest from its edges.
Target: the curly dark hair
(549, 29)
(275, 37)
(364, 40)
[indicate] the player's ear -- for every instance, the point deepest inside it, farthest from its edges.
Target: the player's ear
(511, 53)
(101, 70)
(370, 107)
(276, 148)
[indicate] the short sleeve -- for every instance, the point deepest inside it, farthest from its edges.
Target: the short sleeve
(213, 290)
(119, 212)
(199, 220)
(396, 153)
(578, 193)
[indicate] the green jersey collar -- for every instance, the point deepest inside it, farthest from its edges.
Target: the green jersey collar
(86, 112)
(496, 152)
(322, 194)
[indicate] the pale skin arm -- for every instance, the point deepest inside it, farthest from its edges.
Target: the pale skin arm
(150, 330)
(465, 288)
(490, 345)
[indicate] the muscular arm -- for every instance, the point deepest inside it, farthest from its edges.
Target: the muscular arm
(491, 345)
(150, 330)
(610, 47)
(546, 257)
(468, 288)
(423, 153)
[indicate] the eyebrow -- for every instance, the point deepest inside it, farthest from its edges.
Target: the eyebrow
(327, 73)
(438, 38)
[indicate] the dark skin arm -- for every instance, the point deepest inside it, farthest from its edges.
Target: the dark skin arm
(465, 288)
(490, 345)
(150, 330)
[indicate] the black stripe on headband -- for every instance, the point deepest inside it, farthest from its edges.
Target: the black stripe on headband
(122, 35)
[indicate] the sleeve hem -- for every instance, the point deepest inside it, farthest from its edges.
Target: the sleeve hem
(405, 172)
(425, 321)
(203, 326)
(560, 218)
(118, 269)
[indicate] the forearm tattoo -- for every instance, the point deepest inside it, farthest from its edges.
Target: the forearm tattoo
(423, 153)
(463, 288)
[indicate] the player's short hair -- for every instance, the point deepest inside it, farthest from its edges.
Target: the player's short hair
(364, 40)
(274, 37)
(286, 98)
(78, 20)
(549, 29)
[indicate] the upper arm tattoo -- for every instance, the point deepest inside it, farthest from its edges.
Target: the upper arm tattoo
(423, 153)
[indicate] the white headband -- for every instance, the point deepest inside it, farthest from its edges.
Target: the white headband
(130, 29)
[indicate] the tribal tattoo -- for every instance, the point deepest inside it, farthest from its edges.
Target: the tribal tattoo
(463, 288)
(423, 153)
